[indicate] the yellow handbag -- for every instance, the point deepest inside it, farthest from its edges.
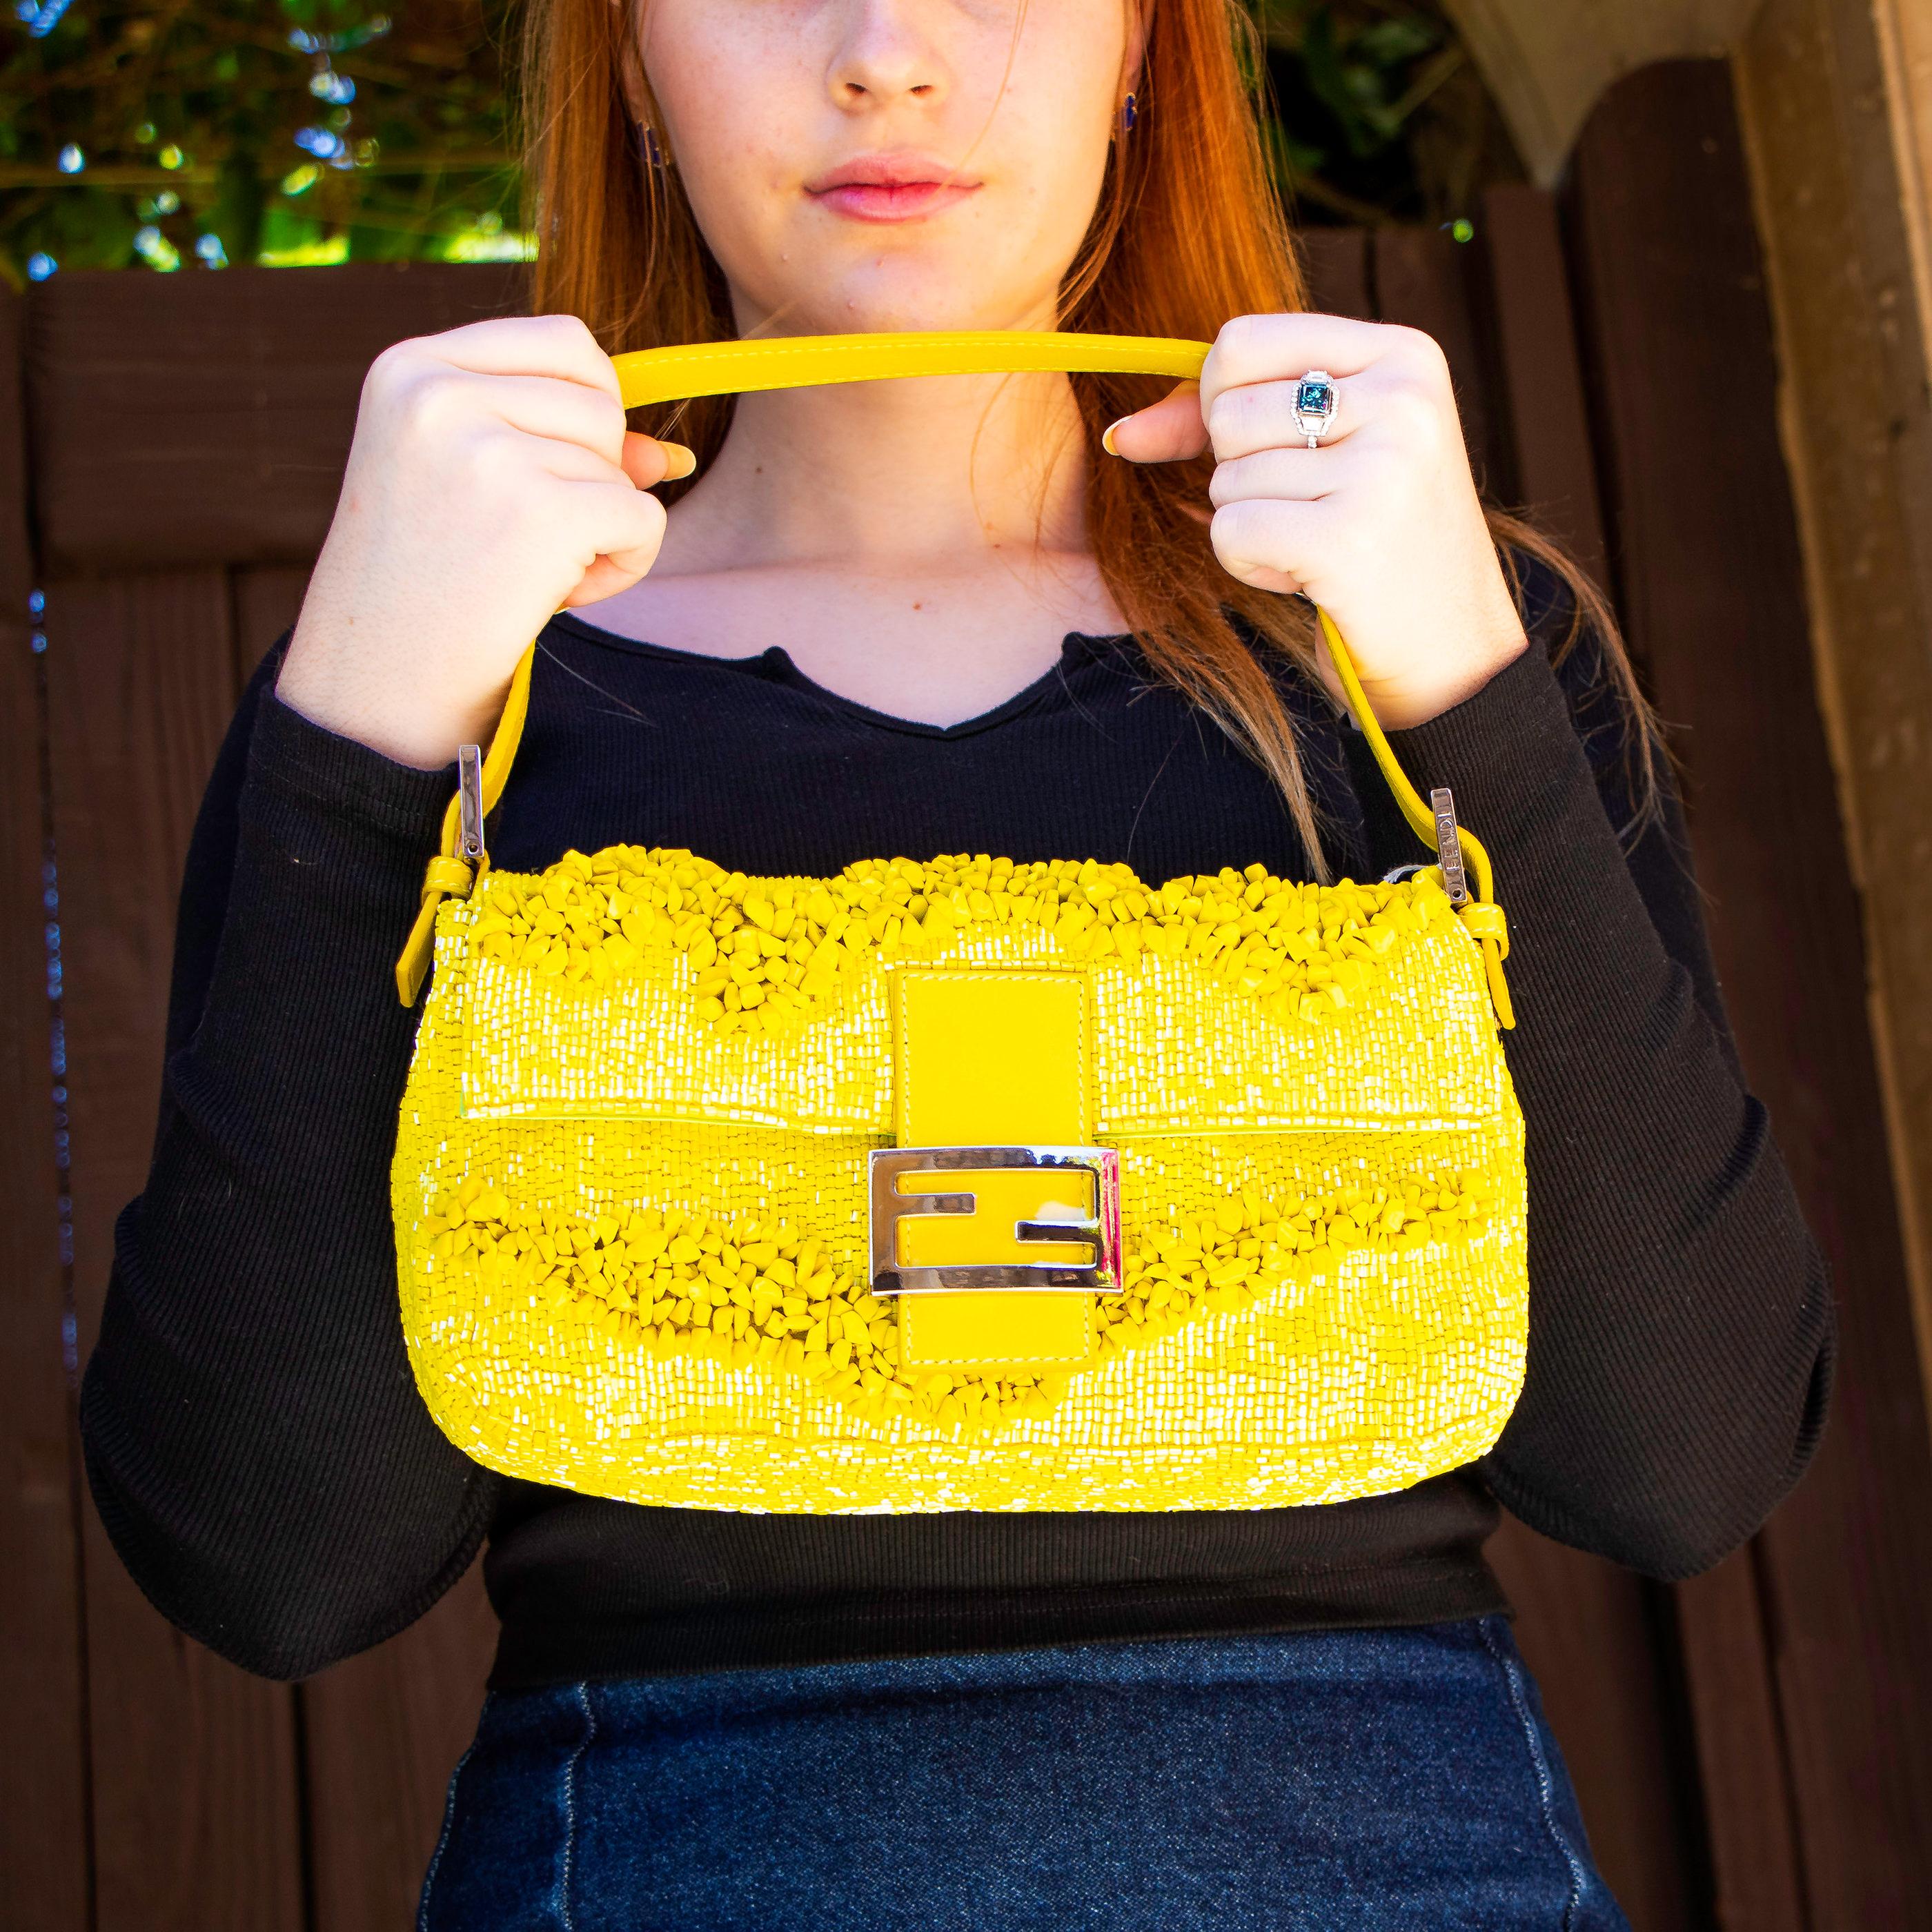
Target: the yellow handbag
(951, 1183)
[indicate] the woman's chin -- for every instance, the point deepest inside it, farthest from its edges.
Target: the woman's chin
(952, 304)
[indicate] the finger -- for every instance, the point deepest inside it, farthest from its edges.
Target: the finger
(1168, 431)
(618, 524)
(648, 461)
(1261, 416)
(555, 410)
(527, 345)
(1271, 545)
(1265, 348)
(569, 461)
(564, 462)
(604, 578)
(1258, 577)
(1285, 475)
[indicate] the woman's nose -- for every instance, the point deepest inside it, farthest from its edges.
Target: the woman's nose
(885, 54)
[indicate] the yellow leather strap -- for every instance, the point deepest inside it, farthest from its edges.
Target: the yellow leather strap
(726, 368)
(449, 875)
(803, 361)
(1482, 915)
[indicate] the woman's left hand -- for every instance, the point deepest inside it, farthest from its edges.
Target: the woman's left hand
(1381, 525)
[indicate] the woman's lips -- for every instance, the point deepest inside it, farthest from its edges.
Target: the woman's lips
(890, 187)
(894, 201)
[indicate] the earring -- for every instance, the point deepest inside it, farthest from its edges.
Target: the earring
(1129, 114)
(648, 152)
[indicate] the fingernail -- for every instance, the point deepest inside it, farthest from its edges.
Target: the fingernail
(679, 461)
(1107, 437)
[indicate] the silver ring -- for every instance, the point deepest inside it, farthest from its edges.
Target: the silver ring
(1316, 400)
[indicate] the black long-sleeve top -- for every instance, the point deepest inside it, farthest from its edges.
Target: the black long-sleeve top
(256, 1443)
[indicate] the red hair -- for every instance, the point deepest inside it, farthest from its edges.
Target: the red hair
(1189, 232)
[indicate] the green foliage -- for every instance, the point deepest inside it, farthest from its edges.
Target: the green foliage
(1379, 114)
(195, 131)
(181, 132)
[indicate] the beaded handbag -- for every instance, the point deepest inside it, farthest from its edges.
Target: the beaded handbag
(952, 1183)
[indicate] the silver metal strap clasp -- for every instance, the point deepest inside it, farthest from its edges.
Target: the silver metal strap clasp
(1449, 846)
(1078, 1205)
(470, 801)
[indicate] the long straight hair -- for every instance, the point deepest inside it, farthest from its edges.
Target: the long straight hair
(1189, 232)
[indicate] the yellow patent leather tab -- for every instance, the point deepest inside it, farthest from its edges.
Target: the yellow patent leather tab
(1487, 922)
(1035, 1334)
(985, 1058)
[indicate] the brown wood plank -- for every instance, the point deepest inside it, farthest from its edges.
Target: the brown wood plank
(196, 1813)
(267, 600)
(1541, 372)
(43, 1843)
(1588, 1633)
(197, 1823)
(1834, 196)
(383, 1732)
(1336, 263)
(188, 419)
(1760, 1887)
(1680, 351)
(1422, 278)
(141, 683)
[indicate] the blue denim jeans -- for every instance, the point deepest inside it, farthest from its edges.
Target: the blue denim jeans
(1332, 1780)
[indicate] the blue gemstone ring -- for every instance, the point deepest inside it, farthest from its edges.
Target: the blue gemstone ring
(1316, 403)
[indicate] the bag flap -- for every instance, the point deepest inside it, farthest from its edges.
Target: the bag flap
(1349, 1007)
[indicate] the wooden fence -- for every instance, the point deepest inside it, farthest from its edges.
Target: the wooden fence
(1753, 1749)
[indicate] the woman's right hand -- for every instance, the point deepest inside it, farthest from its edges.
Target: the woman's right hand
(491, 482)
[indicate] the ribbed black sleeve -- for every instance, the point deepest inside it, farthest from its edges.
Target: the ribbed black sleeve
(268, 1473)
(258, 1450)
(1680, 1315)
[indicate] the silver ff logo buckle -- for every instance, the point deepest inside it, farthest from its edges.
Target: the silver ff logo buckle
(1074, 1201)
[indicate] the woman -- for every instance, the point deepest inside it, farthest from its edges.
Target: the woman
(1034, 617)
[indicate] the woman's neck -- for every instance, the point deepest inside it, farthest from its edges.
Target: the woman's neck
(918, 546)
(888, 479)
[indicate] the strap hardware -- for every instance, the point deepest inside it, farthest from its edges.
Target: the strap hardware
(1464, 847)
(1449, 847)
(461, 859)
(1089, 1221)
(469, 797)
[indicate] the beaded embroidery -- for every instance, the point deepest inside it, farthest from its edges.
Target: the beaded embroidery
(690, 1285)
(630, 1196)
(767, 951)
